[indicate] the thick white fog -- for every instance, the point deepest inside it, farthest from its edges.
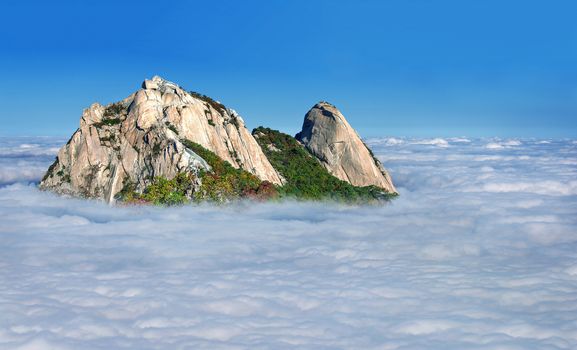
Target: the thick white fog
(478, 252)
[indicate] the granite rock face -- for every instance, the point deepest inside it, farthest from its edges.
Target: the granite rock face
(329, 137)
(138, 138)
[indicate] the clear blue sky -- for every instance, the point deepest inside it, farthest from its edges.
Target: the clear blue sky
(401, 68)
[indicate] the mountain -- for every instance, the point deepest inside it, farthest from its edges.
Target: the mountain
(305, 176)
(165, 145)
(329, 137)
(140, 137)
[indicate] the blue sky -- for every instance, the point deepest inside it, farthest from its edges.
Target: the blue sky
(401, 68)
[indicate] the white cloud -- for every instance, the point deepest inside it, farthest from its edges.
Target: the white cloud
(26, 159)
(477, 253)
(494, 145)
(541, 186)
(389, 141)
(460, 140)
(11, 173)
(503, 144)
(439, 142)
(512, 143)
(393, 141)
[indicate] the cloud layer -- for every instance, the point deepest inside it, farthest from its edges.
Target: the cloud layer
(25, 159)
(479, 252)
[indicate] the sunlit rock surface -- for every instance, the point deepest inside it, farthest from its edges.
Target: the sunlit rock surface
(327, 135)
(138, 138)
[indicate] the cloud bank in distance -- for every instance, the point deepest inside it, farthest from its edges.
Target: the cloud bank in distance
(479, 252)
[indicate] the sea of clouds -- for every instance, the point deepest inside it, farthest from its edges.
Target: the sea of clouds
(478, 252)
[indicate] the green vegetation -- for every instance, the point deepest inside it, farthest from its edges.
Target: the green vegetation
(234, 121)
(169, 192)
(171, 127)
(375, 160)
(224, 182)
(221, 184)
(210, 122)
(160, 192)
(65, 177)
(306, 177)
(50, 171)
(234, 155)
(111, 138)
(217, 106)
(128, 192)
(108, 122)
(113, 110)
(156, 149)
(112, 114)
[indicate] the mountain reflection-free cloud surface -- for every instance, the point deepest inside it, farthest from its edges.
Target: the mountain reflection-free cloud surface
(478, 252)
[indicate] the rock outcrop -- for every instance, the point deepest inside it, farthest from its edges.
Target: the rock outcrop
(329, 137)
(165, 145)
(141, 137)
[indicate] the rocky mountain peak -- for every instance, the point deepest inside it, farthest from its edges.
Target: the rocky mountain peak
(143, 136)
(328, 136)
(195, 144)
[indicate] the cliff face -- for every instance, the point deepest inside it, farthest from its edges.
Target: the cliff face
(329, 137)
(208, 123)
(139, 138)
(165, 145)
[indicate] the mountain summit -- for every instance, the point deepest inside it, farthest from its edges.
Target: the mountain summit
(328, 136)
(163, 144)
